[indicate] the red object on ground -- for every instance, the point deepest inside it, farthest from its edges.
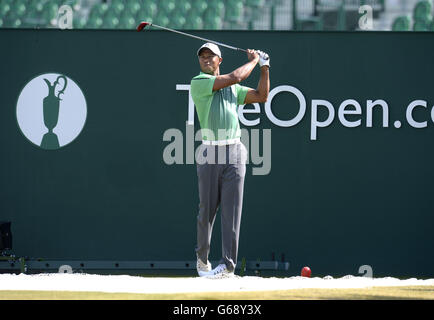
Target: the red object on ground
(306, 272)
(142, 25)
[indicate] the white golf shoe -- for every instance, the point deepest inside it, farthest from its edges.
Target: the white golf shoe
(202, 268)
(221, 271)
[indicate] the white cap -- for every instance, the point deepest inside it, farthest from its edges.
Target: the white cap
(214, 48)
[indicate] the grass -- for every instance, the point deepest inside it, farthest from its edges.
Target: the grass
(373, 293)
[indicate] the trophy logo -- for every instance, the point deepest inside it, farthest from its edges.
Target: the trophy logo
(51, 111)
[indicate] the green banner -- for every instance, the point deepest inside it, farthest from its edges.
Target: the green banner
(98, 139)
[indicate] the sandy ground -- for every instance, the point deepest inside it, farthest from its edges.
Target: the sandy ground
(135, 284)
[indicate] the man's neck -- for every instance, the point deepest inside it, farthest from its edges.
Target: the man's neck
(215, 73)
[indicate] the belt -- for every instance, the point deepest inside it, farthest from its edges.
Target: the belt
(221, 142)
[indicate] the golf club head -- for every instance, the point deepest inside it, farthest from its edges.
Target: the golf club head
(142, 26)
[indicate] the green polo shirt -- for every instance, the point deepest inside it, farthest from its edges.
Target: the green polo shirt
(217, 110)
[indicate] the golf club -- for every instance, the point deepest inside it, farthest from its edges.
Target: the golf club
(143, 25)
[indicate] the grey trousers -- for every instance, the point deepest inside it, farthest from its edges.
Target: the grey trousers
(220, 171)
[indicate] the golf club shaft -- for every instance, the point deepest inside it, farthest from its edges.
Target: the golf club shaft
(196, 37)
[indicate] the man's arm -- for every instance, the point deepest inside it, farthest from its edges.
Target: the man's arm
(261, 92)
(238, 74)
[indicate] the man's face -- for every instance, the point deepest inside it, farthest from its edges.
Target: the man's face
(209, 62)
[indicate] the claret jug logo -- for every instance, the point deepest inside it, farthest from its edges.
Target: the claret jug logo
(51, 111)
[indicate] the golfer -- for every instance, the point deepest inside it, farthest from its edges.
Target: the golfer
(221, 160)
